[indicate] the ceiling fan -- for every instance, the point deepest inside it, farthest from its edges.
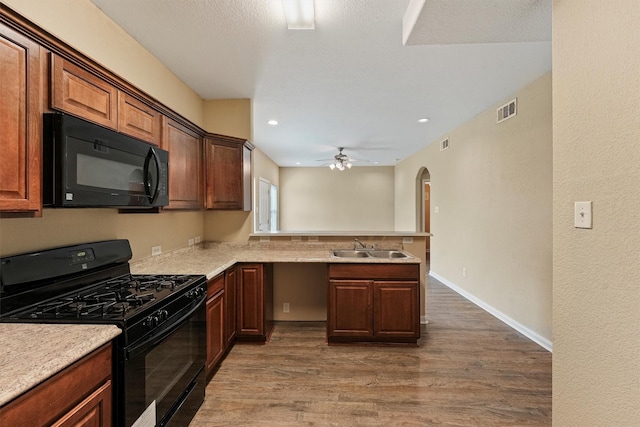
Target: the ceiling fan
(340, 161)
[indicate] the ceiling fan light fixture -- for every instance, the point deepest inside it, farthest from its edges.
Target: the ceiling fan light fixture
(300, 14)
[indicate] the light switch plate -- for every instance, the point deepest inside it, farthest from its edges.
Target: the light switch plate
(582, 215)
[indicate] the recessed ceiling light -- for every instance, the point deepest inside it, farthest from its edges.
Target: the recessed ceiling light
(297, 163)
(272, 122)
(423, 120)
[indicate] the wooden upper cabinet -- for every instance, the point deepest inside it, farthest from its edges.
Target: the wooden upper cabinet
(21, 87)
(228, 172)
(185, 160)
(137, 119)
(83, 94)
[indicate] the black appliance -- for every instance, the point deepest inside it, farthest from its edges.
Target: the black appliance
(86, 165)
(159, 357)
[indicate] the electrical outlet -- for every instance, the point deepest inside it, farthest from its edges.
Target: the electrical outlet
(156, 250)
(190, 242)
(464, 271)
(285, 307)
(436, 209)
(407, 240)
(197, 239)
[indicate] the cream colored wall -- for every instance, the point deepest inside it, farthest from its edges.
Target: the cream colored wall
(85, 27)
(231, 117)
(322, 199)
(304, 287)
(596, 274)
(59, 227)
(82, 25)
(234, 226)
(493, 188)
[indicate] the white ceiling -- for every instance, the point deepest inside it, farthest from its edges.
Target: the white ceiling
(350, 82)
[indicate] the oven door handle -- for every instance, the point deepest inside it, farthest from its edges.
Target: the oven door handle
(161, 333)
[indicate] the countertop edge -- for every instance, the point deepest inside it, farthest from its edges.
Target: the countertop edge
(34, 352)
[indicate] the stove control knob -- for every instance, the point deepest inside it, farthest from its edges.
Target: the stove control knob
(163, 315)
(151, 321)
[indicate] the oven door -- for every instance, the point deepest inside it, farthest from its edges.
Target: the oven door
(164, 375)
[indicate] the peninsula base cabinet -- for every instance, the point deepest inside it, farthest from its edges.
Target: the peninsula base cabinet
(255, 302)
(80, 395)
(373, 303)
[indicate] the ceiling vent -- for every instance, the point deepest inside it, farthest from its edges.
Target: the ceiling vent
(507, 111)
(444, 144)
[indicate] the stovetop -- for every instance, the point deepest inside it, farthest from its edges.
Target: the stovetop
(90, 282)
(115, 299)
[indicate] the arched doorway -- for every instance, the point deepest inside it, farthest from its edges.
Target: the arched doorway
(423, 205)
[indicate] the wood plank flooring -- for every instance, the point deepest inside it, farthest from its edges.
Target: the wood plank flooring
(470, 369)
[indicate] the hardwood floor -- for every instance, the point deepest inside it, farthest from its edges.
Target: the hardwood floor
(470, 369)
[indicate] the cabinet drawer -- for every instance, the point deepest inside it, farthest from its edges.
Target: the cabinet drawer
(215, 285)
(374, 271)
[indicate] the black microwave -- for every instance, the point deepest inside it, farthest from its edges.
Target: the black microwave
(86, 165)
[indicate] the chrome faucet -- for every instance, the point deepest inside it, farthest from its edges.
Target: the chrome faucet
(357, 242)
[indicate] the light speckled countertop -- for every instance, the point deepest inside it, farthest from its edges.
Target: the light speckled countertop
(33, 352)
(213, 258)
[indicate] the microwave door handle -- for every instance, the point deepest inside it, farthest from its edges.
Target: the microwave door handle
(147, 184)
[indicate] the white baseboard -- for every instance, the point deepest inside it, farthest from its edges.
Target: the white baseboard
(423, 320)
(540, 340)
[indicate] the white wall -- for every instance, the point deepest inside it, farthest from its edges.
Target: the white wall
(321, 199)
(493, 188)
(596, 156)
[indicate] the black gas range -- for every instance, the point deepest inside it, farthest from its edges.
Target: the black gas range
(159, 357)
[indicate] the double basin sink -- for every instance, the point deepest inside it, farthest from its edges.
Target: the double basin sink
(368, 253)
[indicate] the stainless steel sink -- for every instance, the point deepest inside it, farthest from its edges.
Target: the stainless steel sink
(387, 254)
(345, 253)
(368, 253)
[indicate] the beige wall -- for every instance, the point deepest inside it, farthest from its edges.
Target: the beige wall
(596, 156)
(235, 226)
(493, 189)
(231, 117)
(85, 27)
(322, 199)
(82, 25)
(59, 227)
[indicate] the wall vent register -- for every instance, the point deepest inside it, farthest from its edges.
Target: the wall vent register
(507, 111)
(444, 144)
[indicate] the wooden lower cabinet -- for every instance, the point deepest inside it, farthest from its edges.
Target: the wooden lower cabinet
(230, 304)
(255, 302)
(80, 395)
(215, 331)
(374, 303)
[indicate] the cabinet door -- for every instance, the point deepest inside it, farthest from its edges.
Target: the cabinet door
(95, 410)
(250, 300)
(230, 301)
(350, 311)
(185, 181)
(224, 175)
(83, 94)
(137, 119)
(215, 330)
(20, 123)
(396, 309)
